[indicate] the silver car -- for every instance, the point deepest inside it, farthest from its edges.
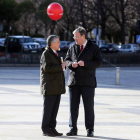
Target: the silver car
(129, 48)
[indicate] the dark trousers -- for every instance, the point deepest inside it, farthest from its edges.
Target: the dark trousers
(51, 106)
(87, 94)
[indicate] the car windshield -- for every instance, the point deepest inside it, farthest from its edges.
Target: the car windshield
(104, 46)
(2, 40)
(107, 45)
(126, 46)
(62, 42)
(26, 40)
(43, 42)
(136, 46)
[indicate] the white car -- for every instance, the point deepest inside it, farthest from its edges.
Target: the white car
(129, 48)
(41, 41)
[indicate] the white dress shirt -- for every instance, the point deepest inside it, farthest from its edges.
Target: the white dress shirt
(84, 45)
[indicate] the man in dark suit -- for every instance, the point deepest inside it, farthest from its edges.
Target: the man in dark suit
(52, 84)
(82, 59)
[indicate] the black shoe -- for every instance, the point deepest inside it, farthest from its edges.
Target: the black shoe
(49, 133)
(56, 133)
(72, 132)
(90, 133)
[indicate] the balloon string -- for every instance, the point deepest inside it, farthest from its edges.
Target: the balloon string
(64, 28)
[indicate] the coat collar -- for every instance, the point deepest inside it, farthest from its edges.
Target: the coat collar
(77, 48)
(51, 51)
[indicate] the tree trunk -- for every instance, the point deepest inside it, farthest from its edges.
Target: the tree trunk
(112, 39)
(103, 32)
(53, 27)
(82, 14)
(67, 34)
(46, 30)
(123, 34)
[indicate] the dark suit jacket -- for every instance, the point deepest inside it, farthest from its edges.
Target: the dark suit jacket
(52, 79)
(92, 59)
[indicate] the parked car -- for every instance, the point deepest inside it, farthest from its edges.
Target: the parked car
(100, 42)
(71, 43)
(2, 40)
(15, 43)
(110, 48)
(64, 45)
(41, 41)
(2, 47)
(129, 48)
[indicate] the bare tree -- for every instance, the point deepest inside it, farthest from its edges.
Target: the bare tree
(26, 9)
(94, 7)
(122, 12)
(68, 22)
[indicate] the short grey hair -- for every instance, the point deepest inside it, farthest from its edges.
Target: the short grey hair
(81, 30)
(51, 39)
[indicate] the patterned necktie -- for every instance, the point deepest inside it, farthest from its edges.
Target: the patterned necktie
(81, 48)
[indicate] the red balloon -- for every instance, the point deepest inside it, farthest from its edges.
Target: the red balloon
(55, 11)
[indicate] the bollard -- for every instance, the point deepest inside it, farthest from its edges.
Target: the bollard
(117, 75)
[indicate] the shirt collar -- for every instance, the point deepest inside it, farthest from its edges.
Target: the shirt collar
(85, 44)
(54, 51)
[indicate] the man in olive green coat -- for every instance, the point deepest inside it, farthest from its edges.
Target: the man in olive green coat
(52, 84)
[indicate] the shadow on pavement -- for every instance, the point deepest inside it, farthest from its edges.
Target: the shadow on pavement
(81, 137)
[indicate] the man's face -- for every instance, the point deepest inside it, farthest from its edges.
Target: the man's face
(55, 45)
(78, 38)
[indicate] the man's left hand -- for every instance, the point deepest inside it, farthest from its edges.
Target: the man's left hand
(81, 63)
(63, 65)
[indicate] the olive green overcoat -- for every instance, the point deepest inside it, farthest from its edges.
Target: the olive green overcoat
(52, 81)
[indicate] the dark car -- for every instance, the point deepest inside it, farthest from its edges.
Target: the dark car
(64, 45)
(21, 43)
(110, 48)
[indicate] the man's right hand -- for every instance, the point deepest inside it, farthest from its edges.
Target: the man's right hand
(74, 64)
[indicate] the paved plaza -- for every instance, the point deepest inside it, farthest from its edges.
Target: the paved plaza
(117, 107)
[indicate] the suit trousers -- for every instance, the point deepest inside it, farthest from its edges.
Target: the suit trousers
(87, 94)
(51, 106)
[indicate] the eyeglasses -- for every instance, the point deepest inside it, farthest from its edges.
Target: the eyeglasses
(76, 37)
